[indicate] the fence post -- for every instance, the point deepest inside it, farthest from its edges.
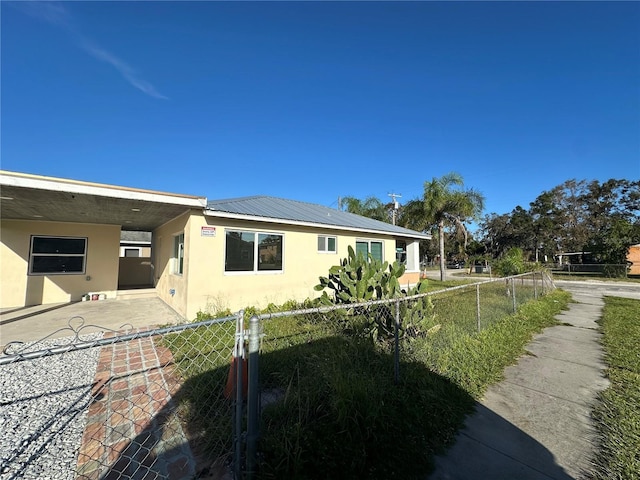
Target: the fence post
(396, 338)
(238, 356)
(513, 292)
(253, 409)
(535, 286)
(478, 305)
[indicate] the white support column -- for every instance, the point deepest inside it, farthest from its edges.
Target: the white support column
(413, 256)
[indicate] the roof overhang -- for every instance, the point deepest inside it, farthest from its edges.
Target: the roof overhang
(257, 218)
(39, 198)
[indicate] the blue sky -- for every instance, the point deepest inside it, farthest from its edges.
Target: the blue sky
(312, 101)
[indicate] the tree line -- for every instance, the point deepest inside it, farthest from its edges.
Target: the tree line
(601, 218)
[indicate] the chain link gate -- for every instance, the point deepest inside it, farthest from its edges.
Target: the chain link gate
(124, 405)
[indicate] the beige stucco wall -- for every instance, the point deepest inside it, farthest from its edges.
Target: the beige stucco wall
(171, 288)
(409, 279)
(205, 286)
(18, 289)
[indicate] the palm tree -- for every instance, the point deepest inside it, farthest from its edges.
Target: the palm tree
(371, 207)
(442, 205)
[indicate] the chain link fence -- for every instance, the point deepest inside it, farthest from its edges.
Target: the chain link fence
(120, 405)
(190, 401)
(593, 270)
(325, 373)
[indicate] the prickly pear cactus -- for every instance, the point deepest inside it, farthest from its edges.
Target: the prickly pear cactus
(359, 279)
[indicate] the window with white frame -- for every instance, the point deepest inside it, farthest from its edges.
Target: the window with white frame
(57, 255)
(250, 251)
(178, 254)
(373, 247)
(326, 244)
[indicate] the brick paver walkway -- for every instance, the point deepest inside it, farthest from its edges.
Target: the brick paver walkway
(132, 430)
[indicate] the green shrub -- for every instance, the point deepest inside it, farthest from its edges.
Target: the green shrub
(512, 263)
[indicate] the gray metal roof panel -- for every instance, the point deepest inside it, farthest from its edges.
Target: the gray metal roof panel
(294, 210)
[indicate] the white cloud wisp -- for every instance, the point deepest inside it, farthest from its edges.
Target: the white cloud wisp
(55, 14)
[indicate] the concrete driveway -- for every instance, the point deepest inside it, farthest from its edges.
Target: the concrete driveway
(56, 321)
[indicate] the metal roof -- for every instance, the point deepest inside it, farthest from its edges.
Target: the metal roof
(281, 209)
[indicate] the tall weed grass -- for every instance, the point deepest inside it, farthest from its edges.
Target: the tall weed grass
(617, 413)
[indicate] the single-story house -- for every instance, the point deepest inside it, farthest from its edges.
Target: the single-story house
(61, 239)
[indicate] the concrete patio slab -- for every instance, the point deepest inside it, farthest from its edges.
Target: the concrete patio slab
(34, 323)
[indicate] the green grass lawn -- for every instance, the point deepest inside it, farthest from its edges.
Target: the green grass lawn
(342, 416)
(618, 411)
(338, 412)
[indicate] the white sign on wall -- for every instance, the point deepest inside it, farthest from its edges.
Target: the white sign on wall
(207, 231)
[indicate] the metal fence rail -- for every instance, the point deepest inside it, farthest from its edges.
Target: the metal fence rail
(190, 401)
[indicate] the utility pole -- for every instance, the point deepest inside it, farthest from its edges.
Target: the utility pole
(395, 206)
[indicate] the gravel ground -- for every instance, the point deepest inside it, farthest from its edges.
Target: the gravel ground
(43, 405)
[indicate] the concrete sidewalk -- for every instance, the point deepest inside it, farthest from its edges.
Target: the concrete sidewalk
(536, 423)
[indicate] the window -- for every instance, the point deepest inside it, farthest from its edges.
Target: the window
(131, 252)
(326, 244)
(252, 251)
(57, 255)
(369, 246)
(401, 251)
(178, 254)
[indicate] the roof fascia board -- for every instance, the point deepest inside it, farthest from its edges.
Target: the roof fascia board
(255, 218)
(57, 185)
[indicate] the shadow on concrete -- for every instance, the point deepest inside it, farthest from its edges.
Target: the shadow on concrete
(15, 314)
(496, 450)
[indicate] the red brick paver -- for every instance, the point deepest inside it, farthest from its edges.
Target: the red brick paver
(132, 430)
